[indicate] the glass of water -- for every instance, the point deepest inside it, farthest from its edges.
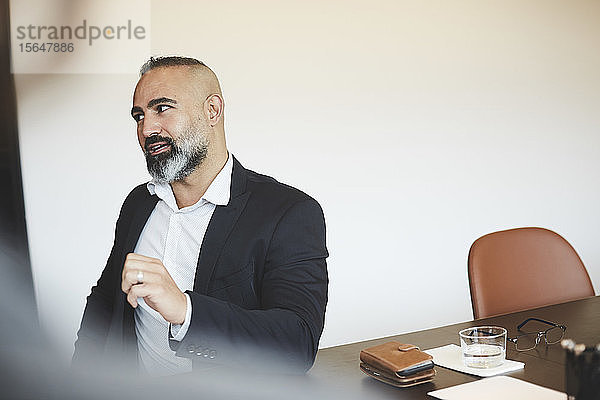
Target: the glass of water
(483, 346)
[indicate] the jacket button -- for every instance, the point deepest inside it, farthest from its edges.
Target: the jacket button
(202, 352)
(191, 349)
(213, 354)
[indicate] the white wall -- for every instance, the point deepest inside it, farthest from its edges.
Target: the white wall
(418, 125)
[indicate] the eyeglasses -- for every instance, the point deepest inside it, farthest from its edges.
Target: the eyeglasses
(530, 340)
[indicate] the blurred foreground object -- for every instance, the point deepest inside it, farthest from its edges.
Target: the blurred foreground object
(582, 372)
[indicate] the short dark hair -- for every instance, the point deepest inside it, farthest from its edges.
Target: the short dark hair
(168, 61)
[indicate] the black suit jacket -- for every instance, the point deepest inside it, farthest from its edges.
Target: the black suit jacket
(260, 288)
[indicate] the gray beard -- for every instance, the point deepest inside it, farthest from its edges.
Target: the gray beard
(186, 154)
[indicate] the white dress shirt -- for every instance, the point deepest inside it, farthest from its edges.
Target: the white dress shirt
(174, 236)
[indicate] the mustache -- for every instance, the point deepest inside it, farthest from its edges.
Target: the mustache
(157, 139)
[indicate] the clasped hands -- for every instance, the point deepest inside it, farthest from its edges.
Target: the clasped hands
(158, 289)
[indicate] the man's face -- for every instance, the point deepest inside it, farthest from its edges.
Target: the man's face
(171, 126)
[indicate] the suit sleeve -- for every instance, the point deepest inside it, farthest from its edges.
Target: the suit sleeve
(284, 333)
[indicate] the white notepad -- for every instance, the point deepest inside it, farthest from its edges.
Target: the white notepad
(498, 388)
(450, 356)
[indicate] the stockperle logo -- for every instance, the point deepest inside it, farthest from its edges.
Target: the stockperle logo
(91, 33)
(79, 36)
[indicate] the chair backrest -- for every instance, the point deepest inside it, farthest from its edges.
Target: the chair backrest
(524, 268)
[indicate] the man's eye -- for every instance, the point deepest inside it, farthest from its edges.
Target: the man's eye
(162, 107)
(138, 117)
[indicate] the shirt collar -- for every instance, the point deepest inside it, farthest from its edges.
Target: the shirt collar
(218, 191)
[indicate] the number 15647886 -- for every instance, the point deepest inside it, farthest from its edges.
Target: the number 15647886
(46, 47)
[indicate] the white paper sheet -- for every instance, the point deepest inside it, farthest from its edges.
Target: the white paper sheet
(450, 356)
(498, 388)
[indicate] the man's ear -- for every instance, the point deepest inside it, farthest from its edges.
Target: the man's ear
(213, 109)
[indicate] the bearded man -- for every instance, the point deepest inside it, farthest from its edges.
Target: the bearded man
(211, 263)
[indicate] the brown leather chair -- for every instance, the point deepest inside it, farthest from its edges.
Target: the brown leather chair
(524, 268)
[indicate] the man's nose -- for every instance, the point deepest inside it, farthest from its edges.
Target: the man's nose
(150, 126)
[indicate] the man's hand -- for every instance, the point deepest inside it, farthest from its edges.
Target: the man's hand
(157, 287)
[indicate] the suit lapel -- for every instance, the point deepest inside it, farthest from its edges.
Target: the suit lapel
(221, 224)
(138, 221)
(141, 213)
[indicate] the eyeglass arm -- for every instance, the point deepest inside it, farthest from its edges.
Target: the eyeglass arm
(522, 324)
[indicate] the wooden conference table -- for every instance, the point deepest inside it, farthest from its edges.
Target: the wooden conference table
(545, 365)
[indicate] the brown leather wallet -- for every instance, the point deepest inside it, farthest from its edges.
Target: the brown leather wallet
(397, 364)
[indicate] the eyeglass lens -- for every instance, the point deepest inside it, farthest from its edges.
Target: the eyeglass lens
(529, 341)
(554, 335)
